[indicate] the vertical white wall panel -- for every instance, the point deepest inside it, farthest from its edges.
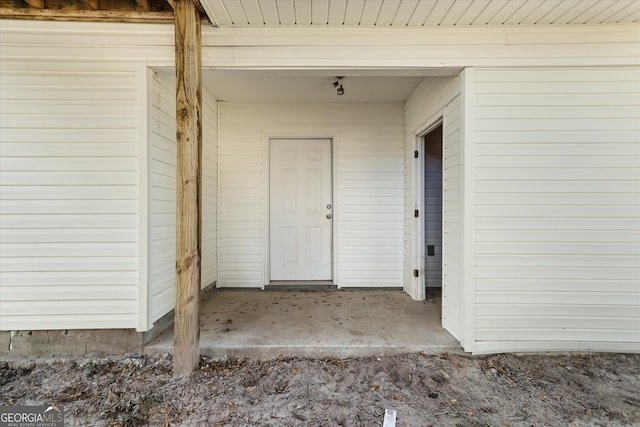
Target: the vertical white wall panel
(452, 234)
(369, 198)
(557, 207)
(209, 256)
(423, 109)
(162, 198)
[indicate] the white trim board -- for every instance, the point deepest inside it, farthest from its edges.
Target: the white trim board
(145, 77)
(467, 136)
(419, 291)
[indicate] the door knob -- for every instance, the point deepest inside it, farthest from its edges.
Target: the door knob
(328, 216)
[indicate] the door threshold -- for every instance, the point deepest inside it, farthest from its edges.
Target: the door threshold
(301, 285)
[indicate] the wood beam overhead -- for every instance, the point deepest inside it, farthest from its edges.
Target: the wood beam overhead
(144, 5)
(91, 4)
(86, 15)
(151, 11)
(37, 4)
(186, 355)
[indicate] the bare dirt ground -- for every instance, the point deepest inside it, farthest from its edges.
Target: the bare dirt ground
(441, 390)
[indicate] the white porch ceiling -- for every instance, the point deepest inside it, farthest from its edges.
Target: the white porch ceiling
(419, 13)
(315, 86)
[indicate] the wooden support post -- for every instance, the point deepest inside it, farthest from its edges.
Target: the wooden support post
(189, 148)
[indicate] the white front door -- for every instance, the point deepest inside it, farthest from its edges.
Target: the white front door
(301, 209)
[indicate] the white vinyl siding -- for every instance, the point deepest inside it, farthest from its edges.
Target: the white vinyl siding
(557, 205)
(69, 197)
(423, 109)
(209, 256)
(162, 195)
(368, 198)
(162, 198)
(69, 171)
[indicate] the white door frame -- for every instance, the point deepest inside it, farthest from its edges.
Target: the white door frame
(266, 196)
(419, 190)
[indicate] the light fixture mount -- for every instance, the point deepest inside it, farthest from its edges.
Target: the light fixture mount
(338, 85)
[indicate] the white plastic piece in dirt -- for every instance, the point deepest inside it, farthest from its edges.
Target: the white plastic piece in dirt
(389, 418)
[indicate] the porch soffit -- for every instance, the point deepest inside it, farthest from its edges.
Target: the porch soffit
(342, 13)
(419, 13)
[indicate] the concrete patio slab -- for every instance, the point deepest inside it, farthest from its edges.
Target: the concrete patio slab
(317, 323)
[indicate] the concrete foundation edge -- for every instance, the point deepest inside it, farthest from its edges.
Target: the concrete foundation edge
(77, 342)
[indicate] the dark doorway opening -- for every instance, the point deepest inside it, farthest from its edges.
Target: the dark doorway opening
(433, 211)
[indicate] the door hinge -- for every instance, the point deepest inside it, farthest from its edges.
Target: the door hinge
(415, 154)
(416, 213)
(416, 273)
